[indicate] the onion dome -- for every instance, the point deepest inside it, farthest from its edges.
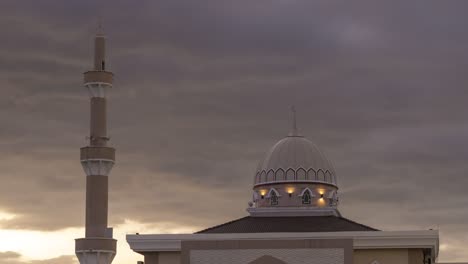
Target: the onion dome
(295, 159)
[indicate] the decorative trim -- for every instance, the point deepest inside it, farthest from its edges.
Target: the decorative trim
(310, 191)
(255, 196)
(427, 239)
(95, 256)
(98, 89)
(97, 166)
(292, 211)
(108, 160)
(295, 181)
(273, 190)
(94, 250)
(311, 174)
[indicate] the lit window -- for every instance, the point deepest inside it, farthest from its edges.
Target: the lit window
(306, 197)
(273, 198)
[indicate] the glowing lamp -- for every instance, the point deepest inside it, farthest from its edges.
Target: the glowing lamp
(262, 193)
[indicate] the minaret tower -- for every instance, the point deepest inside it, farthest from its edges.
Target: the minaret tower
(98, 246)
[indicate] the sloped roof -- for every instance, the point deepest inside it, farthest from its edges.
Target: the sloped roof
(291, 224)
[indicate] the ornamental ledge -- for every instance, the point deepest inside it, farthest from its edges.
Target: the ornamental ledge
(298, 174)
(295, 181)
(361, 239)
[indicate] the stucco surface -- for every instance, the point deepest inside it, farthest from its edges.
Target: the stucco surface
(388, 256)
(290, 256)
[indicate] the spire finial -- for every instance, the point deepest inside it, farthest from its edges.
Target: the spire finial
(294, 132)
(294, 121)
(99, 48)
(100, 30)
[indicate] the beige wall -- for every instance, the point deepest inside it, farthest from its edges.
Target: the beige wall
(362, 256)
(415, 256)
(162, 258)
(151, 258)
(388, 256)
(330, 251)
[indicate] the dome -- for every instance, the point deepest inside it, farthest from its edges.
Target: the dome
(294, 178)
(295, 158)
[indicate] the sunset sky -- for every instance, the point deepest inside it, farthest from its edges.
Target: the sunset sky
(203, 88)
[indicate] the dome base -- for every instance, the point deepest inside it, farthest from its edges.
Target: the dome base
(292, 211)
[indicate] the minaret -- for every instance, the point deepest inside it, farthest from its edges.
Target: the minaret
(98, 246)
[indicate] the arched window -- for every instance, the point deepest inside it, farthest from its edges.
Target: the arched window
(273, 195)
(333, 198)
(290, 175)
(301, 175)
(328, 177)
(273, 198)
(306, 197)
(255, 196)
(280, 175)
(321, 175)
(270, 176)
(311, 175)
(263, 177)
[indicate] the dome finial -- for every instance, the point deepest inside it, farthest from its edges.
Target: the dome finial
(294, 131)
(100, 30)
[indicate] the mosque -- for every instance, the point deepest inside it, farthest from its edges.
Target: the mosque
(293, 215)
(293, 219)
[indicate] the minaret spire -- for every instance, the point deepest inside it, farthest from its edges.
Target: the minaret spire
(100, 49)
(294, 132)
(97, 159)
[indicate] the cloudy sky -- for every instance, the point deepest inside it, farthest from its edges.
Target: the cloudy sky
(203, 89)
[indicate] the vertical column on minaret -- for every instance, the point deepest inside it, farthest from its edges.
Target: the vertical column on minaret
(97, 159)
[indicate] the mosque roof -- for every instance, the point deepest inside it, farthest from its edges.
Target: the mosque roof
(287, 224)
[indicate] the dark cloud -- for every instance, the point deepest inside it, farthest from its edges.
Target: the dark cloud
(15, 258)
(203, 89)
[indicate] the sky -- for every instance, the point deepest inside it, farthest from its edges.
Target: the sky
(203, 89)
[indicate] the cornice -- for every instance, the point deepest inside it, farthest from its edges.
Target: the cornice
(428, 239)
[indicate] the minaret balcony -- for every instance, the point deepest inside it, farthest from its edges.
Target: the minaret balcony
(98, 77)
(98, 89)
(95, 250)
(100, 167)
(98, 83)
(106, 153)
(97, 160)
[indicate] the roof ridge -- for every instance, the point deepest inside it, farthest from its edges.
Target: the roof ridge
(366, 226)
(227, 223)
(249, 224)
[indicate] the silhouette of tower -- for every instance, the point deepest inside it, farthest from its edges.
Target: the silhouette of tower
(98, 246)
